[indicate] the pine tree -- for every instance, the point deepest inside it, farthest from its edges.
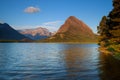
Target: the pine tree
(114, 22)
(109, 29)
(103, 31)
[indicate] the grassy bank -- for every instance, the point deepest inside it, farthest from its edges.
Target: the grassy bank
(110, 51)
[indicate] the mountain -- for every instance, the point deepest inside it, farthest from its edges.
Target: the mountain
(37, 33)
(7, 33)
(73, 30)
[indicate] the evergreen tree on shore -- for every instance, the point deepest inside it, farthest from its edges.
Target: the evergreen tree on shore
(114, 22)
(109, 29)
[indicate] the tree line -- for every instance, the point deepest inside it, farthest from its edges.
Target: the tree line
(109, 30)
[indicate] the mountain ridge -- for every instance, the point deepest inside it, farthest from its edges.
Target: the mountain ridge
(7, 33)
(73, 30)
(36, 33)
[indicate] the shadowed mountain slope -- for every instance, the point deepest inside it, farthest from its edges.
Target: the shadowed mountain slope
(7, 33)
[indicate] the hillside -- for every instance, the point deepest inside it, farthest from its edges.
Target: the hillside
(7, 33)
(73, 30)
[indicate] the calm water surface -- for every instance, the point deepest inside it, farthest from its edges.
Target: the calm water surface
(50, 61)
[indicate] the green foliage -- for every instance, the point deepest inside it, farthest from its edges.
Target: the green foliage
(103, 31)
(115, 33)
(102, 28)
(115, 47)
(109, 30)
(117, 56)
(111, 49)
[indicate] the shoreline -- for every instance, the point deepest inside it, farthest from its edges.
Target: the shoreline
(50, 42)
(107, 52)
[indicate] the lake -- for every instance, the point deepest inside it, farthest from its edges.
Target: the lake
(53, 61)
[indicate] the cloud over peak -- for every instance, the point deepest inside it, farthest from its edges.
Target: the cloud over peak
(52, 25)
(32, 9)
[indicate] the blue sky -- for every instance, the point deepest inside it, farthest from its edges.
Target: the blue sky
(51, 14)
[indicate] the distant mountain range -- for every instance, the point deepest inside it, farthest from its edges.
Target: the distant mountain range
(73, 30)
(37, 33)
(7, 33)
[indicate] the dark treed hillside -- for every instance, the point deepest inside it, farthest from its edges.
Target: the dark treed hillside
(7, 33)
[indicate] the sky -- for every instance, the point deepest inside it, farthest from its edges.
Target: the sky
(51, 14)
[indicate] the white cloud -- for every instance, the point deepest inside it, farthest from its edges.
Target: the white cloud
(32, 9)
(52, 26)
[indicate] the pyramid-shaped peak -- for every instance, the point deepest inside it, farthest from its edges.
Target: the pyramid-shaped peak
(74, 25)
(72, 18)
(73, 30)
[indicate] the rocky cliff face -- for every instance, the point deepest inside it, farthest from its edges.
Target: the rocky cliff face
(73, 30)
(7, 33)
(37, 33)
(75, 26)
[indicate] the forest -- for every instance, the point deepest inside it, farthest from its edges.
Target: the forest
(109, 31)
